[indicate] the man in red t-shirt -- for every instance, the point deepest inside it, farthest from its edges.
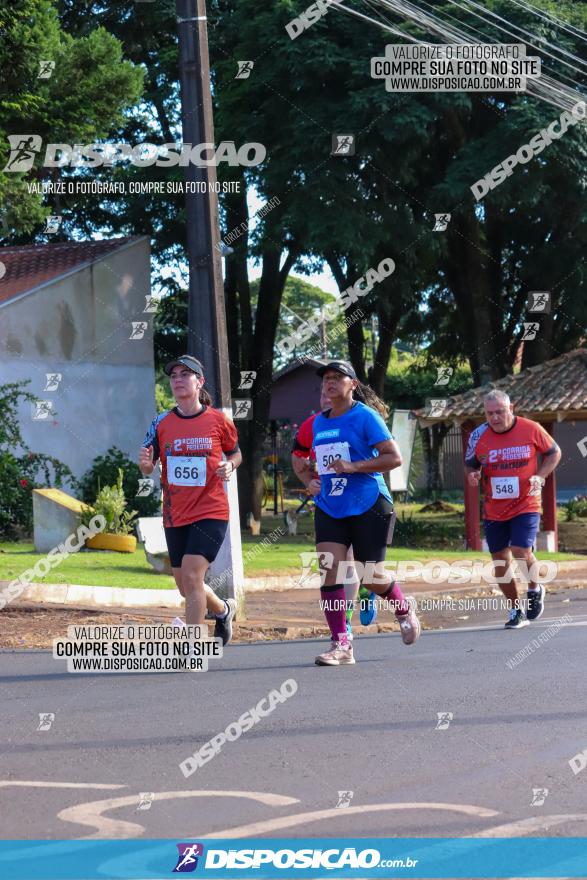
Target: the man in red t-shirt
(503, 454)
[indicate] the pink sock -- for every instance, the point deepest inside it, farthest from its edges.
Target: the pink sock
(394, 594)
(334, 607)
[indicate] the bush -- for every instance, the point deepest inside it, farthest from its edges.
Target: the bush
(576, 507)
(411, 531)
(16, 507)
(104, 472)
(111, 504)
(163, 399)
(19, 475)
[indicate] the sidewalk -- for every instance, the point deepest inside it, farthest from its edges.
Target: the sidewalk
(276, 614)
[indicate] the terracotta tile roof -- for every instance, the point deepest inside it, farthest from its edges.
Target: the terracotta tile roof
(28, 266)
(557, 386)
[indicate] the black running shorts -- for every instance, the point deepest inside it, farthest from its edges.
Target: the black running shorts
(367, 532)
(202, 538)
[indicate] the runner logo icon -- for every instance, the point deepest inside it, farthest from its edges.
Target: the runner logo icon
(338, 486)
(187, 859)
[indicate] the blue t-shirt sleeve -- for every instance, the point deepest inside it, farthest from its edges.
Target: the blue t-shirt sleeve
(375, 429)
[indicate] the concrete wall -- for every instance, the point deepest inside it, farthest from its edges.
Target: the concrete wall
(80, 326)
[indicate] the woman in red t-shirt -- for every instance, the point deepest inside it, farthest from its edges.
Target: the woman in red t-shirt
(190, 441)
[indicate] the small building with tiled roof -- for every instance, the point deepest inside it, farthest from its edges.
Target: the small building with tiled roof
(73, 321)
(550, 393)
(295, 392)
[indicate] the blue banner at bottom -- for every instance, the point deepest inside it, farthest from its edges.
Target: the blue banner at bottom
(311, 858)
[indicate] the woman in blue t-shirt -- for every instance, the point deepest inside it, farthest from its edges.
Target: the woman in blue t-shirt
(353, 446)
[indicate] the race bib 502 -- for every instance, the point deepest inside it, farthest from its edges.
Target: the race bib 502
(327, 453)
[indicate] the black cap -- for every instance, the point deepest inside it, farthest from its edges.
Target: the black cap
(340, 366)
(185, 360)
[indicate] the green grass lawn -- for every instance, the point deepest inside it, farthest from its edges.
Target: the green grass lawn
(94, 568)
(99, 568)
(418, 537)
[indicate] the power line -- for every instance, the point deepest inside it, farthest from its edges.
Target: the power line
(565, 26)
(522, 31)
(546, 88)
(469, 29)
(386, 27)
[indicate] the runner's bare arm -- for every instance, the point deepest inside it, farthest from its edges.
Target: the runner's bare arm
(303, 469)
(146, 464)
(473, 474)
(550, 460)
(227, 468)
(389, 458)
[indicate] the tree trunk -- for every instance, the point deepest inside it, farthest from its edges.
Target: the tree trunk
(389, 314)
(259, 357)
(355, 335)
(236, 287)
(232, 315)
(469, 281)
(432, 444)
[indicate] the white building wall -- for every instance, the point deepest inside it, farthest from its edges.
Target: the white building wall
(80, 326)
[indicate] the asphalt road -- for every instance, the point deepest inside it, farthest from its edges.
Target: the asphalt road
(371, 729)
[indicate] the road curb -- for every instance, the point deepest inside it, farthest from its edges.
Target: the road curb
(132, 597)
(100, 597)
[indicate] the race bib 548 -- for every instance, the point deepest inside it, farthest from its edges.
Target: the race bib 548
(505, 487)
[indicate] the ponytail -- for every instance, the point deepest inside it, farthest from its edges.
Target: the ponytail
(205, 398)
(366, 395)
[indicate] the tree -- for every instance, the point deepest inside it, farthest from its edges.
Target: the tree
(302, 301)
(461, 293)
(86, 95)
(523, 236)
(410, 384)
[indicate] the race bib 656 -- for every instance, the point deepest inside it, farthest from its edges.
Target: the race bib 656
(186, 470)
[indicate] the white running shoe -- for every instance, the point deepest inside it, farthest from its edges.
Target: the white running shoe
(409, 624)
(177, 621)
(337, 655)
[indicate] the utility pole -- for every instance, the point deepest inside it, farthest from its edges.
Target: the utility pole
(206, 316)
(206, 338)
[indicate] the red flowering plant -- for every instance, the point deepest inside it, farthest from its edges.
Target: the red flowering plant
(20, 474)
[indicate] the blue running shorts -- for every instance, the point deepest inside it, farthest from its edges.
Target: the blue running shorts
(519, 531)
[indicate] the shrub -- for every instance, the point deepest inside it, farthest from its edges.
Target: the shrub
(19, 475)
(164, 400)
(104, 472)
(16, 507)
(412, 531)
(111, 504)
(576, 507)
